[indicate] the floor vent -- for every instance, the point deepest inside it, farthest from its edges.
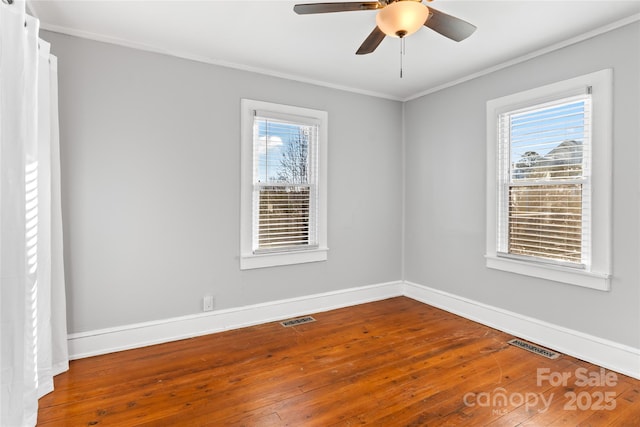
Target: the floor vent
(297, 321)
(533, 348)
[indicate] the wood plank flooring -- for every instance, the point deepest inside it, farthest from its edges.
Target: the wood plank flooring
(395, 362)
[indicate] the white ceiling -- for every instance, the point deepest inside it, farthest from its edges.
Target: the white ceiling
(267, 36)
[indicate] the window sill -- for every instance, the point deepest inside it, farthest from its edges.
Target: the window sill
(251, 261)
(586, 279)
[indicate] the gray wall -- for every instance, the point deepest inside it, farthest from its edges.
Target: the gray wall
(150, 152)
(445, 192)
(150, 161)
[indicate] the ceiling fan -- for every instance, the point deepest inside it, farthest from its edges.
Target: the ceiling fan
(396, 18)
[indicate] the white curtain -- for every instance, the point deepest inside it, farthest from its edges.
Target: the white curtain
(33, 337)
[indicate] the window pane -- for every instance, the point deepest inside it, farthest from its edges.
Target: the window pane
(283, 216)
(282, 152)
(546, 221)
(547, 144)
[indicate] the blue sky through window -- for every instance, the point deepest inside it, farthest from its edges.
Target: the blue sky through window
(543, 130)
(271, 138)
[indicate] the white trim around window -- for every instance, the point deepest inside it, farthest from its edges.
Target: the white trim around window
(596, 273)
(256, 250)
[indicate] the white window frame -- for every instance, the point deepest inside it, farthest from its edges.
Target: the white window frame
(250, 259)
(596, 275)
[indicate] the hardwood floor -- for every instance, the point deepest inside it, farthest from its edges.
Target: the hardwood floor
(396, 362)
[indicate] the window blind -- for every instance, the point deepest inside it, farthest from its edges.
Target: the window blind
(545, 199)
(284, 180)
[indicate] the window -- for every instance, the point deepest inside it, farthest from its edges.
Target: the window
(548, 182)
(284, 151)
(544, 183)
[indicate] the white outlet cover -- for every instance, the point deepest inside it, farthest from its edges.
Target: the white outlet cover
(207, 303)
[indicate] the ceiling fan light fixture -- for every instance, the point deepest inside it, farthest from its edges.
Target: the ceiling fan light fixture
(402, 18)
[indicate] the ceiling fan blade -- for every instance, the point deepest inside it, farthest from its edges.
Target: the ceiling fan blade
(371, 42)
(449, 26)
(304, 9)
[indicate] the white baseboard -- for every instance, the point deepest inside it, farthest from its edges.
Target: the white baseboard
(126, 337)
(608, 354)
(605, 353)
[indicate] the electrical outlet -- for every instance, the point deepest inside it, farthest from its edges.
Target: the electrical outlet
(207, 303)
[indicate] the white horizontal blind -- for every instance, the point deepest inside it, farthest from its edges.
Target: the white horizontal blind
(284, 181)
(545, 195)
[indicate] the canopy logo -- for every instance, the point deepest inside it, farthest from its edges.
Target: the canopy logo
(498, 400)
